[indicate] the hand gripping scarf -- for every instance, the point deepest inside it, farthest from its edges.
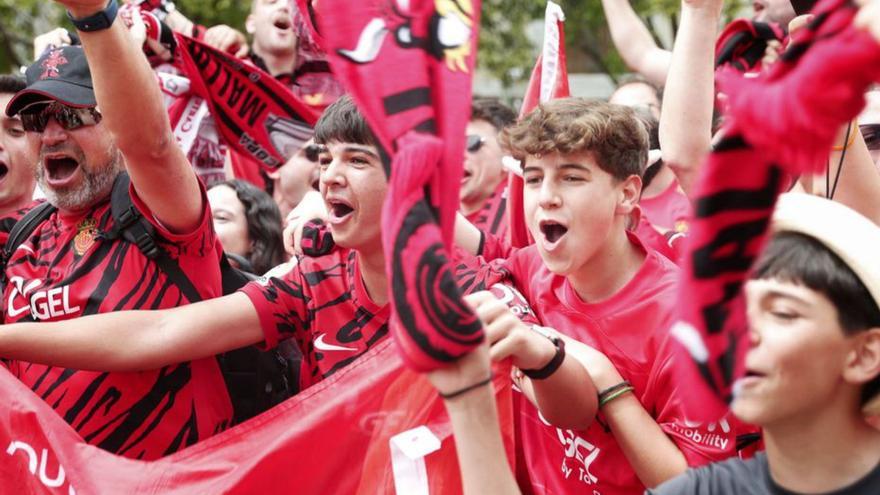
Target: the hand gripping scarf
(408, 65)
(784, 122)
(743, 43)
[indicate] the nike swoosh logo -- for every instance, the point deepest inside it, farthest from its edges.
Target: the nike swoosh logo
(323, 346)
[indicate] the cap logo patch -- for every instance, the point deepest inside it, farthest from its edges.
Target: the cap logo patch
(51, 63)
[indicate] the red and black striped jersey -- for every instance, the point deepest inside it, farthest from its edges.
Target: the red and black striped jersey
(65, 270)
(492, 217)
(321, 303)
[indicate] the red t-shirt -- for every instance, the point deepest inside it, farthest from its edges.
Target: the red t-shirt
(63, 271)
(492, 217)
(669, 210)
(631, 328)
(321, 303)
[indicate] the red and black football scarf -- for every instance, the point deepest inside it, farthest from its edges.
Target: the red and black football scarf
(784, 122)
(255, 113)
(409, 65)
(743, 43)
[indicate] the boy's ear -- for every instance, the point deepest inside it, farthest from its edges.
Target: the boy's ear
(630, 191)
(863, 361)
(249, 24)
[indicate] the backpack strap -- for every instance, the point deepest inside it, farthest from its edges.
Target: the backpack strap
(129, 224)
(23, 229)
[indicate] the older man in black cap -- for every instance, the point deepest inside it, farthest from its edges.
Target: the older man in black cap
(79, 260)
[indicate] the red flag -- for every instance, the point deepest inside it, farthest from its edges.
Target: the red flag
(331, 438)
(549, 81)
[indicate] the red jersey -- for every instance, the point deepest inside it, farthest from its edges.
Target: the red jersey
(492, 217)
(321, 303)
(65, 270)
(631, 328)
(669, 210)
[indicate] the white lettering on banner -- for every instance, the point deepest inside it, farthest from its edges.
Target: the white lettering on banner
(43, 304)
(58, 481)
(187, 128)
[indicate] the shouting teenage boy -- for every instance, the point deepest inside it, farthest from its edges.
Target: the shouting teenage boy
(596, 284)
(814, 361)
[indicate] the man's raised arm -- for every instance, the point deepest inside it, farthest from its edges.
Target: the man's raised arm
(131, 103)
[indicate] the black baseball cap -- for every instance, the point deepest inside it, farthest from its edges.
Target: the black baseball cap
(61, 74)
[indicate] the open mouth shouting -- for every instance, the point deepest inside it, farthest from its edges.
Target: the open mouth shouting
(552, 234)
(340, 211)
(59, 169)
(4, 169)
(282, 22)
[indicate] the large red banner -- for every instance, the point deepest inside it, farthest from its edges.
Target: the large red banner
(331, 438)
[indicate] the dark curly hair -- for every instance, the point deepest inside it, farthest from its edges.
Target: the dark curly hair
(263, 225)
(612, 133)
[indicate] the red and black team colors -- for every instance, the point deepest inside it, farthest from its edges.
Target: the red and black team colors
(322, 304)
(65, 270)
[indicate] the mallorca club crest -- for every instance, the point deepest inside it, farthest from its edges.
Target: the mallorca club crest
(85, 236)
(51, 63)
(447, 37)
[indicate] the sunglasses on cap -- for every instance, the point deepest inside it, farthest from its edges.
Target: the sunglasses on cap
(474, 143)
(35, 117)
(871, 135)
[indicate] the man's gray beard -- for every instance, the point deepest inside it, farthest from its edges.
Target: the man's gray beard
(95, 187)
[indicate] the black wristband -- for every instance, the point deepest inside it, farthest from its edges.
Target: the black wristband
(553, 365)
(452, 395)
(97, 21)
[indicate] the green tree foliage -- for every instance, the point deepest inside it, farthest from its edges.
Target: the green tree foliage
(505, 51)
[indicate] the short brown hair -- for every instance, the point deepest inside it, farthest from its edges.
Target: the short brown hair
(612, 133)
(344, 123)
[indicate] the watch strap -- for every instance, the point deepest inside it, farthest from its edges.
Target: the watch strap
(553, 365)
(97, 21)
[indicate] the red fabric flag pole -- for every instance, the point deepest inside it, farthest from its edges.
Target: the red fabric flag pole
(549, 81)
(335, 437)
(408, 64)
(816, 87)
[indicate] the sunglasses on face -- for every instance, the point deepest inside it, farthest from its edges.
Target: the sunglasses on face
(312, 152)
(871, 134)
(474, 143)
(35, 118)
